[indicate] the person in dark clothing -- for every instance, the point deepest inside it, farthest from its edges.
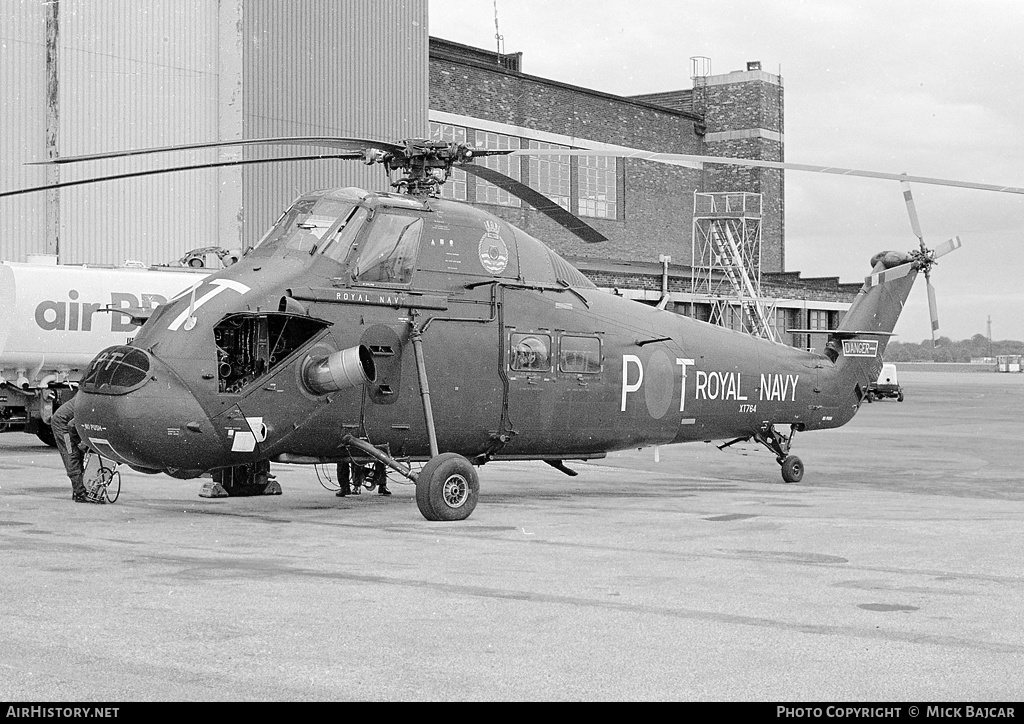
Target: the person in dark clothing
(348, 487)
(69, 446)
(344, 471)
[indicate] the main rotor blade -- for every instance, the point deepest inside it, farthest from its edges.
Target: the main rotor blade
(679, 159)
(153, 172)
(538, 201)
(915, 224)
(346, 144)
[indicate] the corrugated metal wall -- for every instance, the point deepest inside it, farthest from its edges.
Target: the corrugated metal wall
(131, 75)
(357, 68)
(163, 72)
(22, 126)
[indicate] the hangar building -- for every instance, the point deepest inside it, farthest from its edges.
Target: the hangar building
(94, 77)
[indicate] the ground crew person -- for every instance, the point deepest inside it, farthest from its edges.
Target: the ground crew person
(344, 471)
(69, 445)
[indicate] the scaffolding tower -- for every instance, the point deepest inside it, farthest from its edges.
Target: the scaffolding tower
(727, 262)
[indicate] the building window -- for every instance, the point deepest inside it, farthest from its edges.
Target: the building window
(455, 188)
(597, 187)
(487, 193)
(781, 322)
(817, 319)
(550, 175)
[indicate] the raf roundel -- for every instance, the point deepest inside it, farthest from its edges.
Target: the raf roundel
(493, 250)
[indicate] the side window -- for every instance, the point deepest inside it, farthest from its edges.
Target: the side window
(388, 251)
(579, 355)
(530, 353)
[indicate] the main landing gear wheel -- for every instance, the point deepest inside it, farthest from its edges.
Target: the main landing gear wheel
(447, 488)
(792, 469)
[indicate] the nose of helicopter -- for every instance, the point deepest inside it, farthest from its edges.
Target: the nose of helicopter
(133, 409)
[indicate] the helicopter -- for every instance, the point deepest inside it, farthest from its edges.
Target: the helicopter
(395, 329)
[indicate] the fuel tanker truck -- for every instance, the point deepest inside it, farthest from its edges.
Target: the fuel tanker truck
(55, 318)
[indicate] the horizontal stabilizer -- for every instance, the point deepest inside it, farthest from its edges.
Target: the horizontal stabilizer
(842, 333)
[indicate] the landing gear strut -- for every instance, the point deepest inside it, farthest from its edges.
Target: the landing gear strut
(792, 466)
(447, 488)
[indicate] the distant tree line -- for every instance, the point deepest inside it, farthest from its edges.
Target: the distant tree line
(946, 350)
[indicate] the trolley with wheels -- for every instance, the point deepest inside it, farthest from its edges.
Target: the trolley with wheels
(102, 478)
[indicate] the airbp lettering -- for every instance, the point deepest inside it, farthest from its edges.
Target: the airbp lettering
(77, 316)
(778, 387)
(718, 386)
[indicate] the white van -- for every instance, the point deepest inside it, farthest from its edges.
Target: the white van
(887, 385)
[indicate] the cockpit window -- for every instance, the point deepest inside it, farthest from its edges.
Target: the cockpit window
(116, 371)
(339, 244)
(304, 226)
(387, 253)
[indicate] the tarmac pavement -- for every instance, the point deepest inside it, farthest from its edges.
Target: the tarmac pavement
(892, 572)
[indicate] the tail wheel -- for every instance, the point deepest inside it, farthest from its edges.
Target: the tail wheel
(447, 488)
(792, 469)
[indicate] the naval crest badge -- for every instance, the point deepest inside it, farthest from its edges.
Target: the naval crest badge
(493, 250)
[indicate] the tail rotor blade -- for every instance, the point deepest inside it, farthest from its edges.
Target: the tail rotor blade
(933, 308)
(887, 275)
(947, 246)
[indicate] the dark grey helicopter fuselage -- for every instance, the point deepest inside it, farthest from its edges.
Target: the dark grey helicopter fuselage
(523, 357)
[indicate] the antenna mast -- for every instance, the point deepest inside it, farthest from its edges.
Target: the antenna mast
(499, 39)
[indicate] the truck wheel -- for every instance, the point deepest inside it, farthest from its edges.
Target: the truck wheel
(447, 488)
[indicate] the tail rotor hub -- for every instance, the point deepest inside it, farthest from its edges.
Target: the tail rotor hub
(923, 259)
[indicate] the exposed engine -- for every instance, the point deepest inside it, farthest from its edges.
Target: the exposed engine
(249, 345)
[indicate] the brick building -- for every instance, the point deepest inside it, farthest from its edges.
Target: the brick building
(646, 209)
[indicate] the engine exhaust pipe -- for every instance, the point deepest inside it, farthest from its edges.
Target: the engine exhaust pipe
(342, 370)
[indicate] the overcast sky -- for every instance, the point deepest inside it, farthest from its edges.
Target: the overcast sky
(930, 88)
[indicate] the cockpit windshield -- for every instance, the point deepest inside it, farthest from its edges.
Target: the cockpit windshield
(339, 243)
(304, 227)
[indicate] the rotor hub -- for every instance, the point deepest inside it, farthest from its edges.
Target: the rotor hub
(923, 259)
(426, 164)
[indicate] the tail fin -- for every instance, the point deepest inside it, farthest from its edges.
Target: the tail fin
(858, 344)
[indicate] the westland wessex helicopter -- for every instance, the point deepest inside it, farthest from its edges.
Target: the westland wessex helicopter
(390, 329)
